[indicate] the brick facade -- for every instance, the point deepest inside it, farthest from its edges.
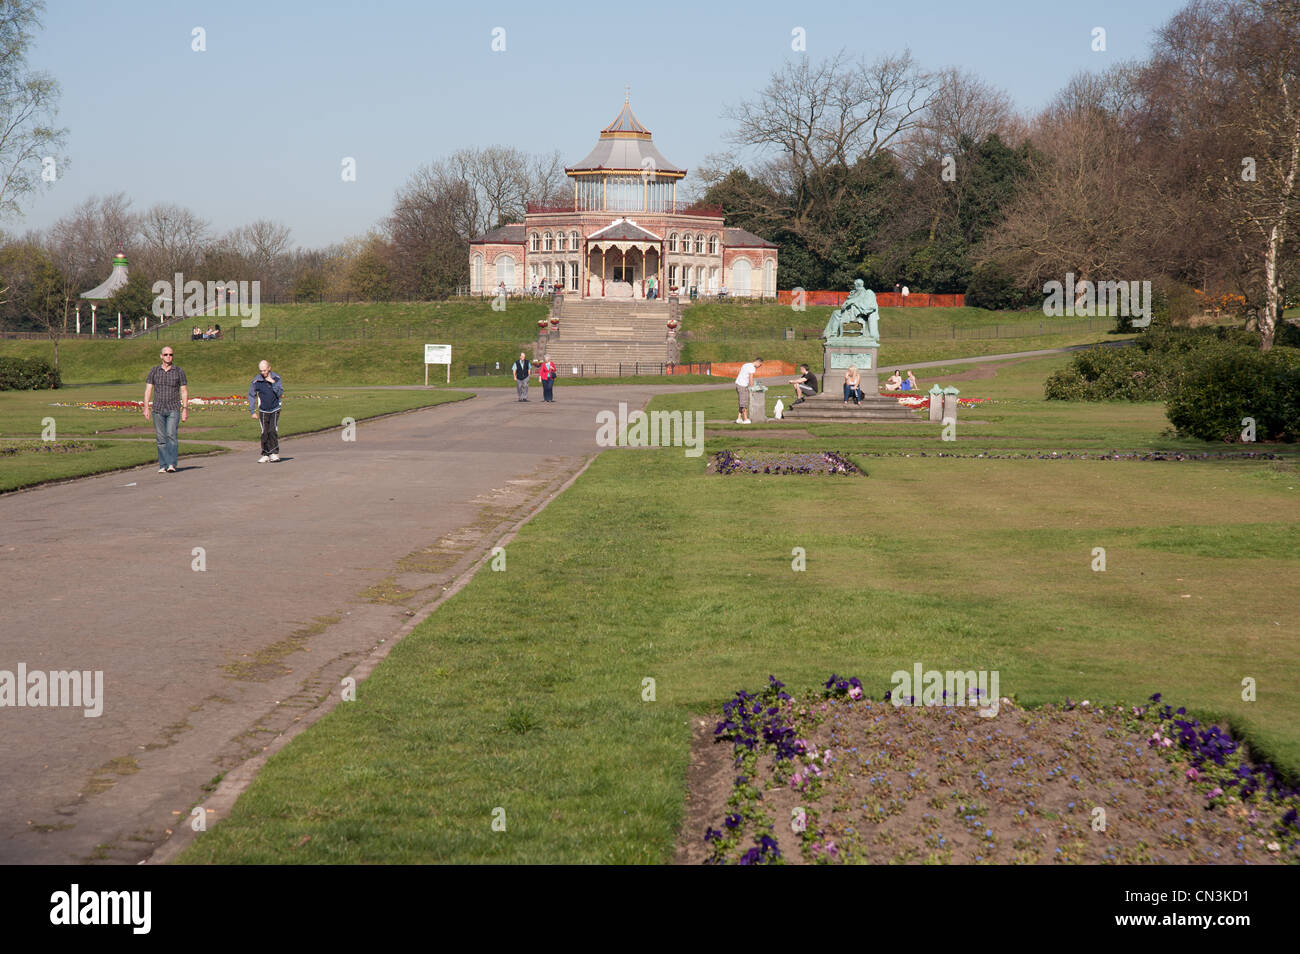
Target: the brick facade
(680, 247)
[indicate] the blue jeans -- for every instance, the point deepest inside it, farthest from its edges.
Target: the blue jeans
(852, 393)
(165, 424)
(547, 393)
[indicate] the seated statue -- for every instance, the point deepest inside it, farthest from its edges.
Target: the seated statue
(859, 307)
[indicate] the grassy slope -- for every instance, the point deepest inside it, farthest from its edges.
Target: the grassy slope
(972, 564)
(383, 343)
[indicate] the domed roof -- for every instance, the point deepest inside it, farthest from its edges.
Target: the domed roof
(625, 146)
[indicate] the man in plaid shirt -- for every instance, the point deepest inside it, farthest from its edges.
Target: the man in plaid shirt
(170, 393)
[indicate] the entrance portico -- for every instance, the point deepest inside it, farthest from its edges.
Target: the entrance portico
(620, 259)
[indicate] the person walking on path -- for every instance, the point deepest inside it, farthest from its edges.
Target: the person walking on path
(264, 396)
(522, 370)
(546, 371)
(166, 386)
(744, 381)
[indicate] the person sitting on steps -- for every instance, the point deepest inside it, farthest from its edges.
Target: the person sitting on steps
(853, 385)
(804, 385)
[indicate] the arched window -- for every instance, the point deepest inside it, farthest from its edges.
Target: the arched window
(477, 272)
(699, 245)
(672, 276)
(713, 245)
(574, 242)
(548, 243)
(535, 243)
(740, 277)
(769, 278)
(505, 266)
(672, 242)
(562, 241)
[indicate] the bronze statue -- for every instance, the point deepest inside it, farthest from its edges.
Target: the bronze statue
(859, 307)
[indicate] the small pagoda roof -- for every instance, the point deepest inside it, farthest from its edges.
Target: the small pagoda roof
(110, 286)
(624, 146)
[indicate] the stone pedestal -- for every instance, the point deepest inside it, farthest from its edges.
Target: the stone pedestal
(950, 403)
(840, 353)
(758, 405)
(936, 403)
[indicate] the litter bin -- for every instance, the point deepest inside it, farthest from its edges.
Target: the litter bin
(936, 403)
(758, 403)
(789, 334)
(695, 292)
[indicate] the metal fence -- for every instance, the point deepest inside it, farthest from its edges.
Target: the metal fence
(635, 369)
(382, 330)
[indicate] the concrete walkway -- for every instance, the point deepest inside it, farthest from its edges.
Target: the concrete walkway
(303, 577)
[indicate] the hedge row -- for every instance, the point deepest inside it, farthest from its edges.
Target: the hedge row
(1215, 381)
(28, 374)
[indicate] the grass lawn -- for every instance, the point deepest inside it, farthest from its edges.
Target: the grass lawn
(28, 463)
(24, 416)
(458, 319)
(650, 568)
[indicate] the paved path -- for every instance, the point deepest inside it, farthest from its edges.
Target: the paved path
(304, 577)
(982, 359)
(202, 668)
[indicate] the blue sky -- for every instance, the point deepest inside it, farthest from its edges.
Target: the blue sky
(258, 124)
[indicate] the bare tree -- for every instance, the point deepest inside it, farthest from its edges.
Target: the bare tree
(1223, 99)
(822, 119)
(1087, 208)
(28, 103)
(172, 240)
(963, 109)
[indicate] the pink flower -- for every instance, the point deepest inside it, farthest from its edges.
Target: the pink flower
(796, 780)
(1214, 792)
(855, 692)
(1192, 773)
(1166, 742)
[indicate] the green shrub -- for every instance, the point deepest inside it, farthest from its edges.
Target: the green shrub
(28, 374)
(1159, 365)
(1103, 374)
(1214, 401)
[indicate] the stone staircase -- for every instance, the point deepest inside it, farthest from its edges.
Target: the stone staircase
(830, 407)
(600, 336)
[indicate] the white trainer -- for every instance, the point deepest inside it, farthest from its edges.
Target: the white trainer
(263, 459)
(274, 458)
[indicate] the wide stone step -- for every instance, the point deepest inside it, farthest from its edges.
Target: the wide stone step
(824, 407)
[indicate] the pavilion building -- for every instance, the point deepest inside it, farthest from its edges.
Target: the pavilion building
(623, 226)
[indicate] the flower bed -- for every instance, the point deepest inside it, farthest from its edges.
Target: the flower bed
(824, 462)
(833, 776)
(1104, 455)
(922, 401)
